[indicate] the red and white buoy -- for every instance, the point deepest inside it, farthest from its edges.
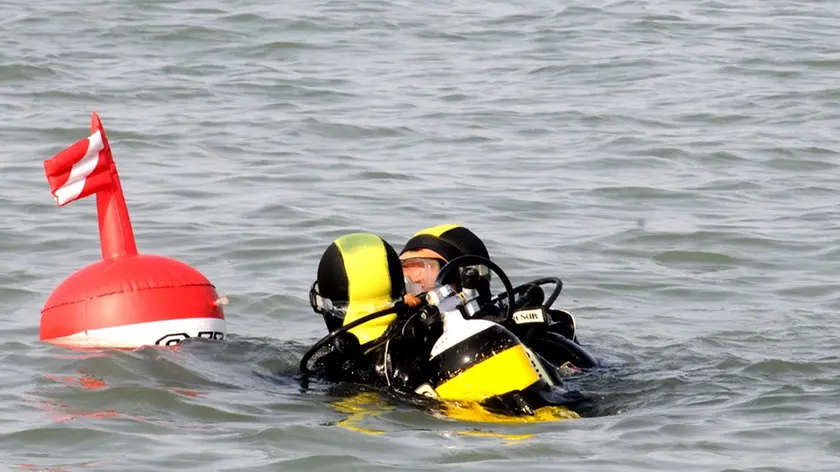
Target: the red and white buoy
(125, 300)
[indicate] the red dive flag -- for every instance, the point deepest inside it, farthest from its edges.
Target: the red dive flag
(80, 170)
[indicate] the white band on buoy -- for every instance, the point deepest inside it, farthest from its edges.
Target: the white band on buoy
(160, 333)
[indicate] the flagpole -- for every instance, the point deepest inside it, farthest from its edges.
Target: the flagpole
(116, 236)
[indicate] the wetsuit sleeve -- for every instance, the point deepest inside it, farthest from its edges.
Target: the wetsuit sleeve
(559, 350)
(340, 362)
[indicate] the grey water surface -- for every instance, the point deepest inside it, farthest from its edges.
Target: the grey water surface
(675, 163)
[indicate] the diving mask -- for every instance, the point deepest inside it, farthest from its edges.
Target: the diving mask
(420, 273)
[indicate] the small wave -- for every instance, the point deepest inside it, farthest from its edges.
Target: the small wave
(11, 72)
(718, 260)
(809, 165)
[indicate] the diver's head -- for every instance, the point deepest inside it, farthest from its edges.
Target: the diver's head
(430, 249)
(359, 274)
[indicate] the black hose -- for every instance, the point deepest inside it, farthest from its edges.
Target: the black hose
(400, 307)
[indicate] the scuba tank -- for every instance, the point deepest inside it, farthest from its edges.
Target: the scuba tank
(476, 360)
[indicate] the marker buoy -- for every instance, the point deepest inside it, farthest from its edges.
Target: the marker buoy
(126, 299)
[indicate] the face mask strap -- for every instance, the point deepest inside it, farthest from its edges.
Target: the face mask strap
(323, 305)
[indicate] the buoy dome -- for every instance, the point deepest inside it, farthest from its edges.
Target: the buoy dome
(133, 301)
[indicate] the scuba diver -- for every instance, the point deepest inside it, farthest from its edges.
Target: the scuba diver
(548, 332)
(373, 338)
(435, 349)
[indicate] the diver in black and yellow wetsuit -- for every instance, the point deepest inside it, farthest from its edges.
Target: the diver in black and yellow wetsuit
(547, 331)
(360, 274)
